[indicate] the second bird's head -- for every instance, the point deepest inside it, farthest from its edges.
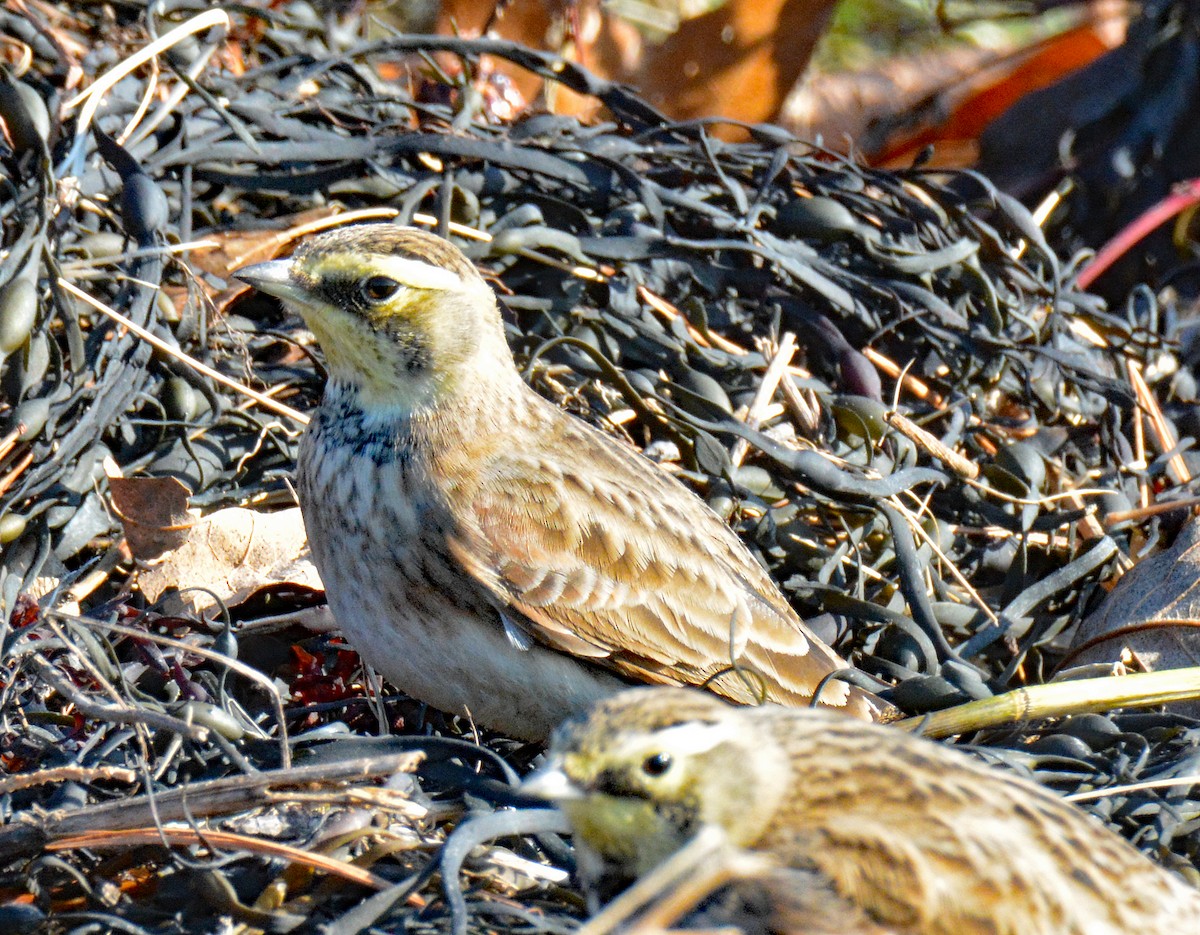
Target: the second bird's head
(403, 317)
(641, 773)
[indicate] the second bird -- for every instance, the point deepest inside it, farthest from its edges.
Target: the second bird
(485, 550)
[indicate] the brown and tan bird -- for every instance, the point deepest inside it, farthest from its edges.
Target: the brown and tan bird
(852, 828)
(484, 549)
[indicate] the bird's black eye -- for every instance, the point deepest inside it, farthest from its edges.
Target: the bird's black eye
(656, 764)
(378, 288)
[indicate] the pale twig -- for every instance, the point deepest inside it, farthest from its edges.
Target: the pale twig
(776, 368)
(918, 387)
(1059, 699)
(954, 570)
(261, 398)
(932, 444)
(24, 55)
(1173, 782)
(1164, 432)
(177, 94)
(671, 314)
(33, 830)
(143, 104)
(45, 777)
(132, 837)
(91, 98)
(707, 849)
(804, 409)
(1154, 509)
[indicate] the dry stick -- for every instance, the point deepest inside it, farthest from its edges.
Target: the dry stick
(148, 94)
(955, 572)
(1139, 441)
(1174, 781)
(671, 314)
(174, 96)
(920, 389)
(1163, 433)
(45, 777)
(90, 99)
(776, 368)
(964, 467)
(915, 385)
(1089, 527)
(10, 478)
(379, 798)
(1038, 501)
(1039, 217)
(261, 398)
(9, 441)
(1154, 509)
(1041, 539)
(31, 831)
(804, 411)
(24, 52)
(1057, 699)
(132, 837)
(58, 18)
(707, 849)
(730, 866)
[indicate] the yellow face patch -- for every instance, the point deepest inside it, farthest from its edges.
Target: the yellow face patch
(353, 350)
(625, 830)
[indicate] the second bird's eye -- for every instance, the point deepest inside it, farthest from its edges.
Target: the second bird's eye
(378, 288)
(656, 764)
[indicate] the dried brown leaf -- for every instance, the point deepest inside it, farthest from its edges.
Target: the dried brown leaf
(233, 553)
(1152, 616)
(154, 512)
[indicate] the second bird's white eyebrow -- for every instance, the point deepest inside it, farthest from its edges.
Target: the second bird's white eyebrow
(416, 274)
(691, 738)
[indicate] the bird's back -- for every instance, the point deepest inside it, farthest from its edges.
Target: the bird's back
(601, 552)
(924, 836)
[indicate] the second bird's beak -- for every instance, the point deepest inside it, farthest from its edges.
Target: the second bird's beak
(273, 277)
(551, 783)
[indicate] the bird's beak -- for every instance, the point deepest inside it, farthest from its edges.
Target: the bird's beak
(551, 783)
(273, 278)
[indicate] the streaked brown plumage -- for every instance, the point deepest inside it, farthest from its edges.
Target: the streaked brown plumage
(486, 550)
(862, 828)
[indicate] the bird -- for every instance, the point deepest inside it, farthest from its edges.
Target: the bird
(842, 825)
(483, 549)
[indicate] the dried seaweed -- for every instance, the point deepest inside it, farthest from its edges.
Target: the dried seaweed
(967, 448)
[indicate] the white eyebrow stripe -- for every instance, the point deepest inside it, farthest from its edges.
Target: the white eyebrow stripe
(686, 739)
(416, 274)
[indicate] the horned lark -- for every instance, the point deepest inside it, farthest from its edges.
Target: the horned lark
(850, 827)
(487, 551)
